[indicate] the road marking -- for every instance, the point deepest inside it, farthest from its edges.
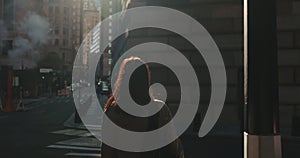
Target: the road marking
(3, 117)
(73, 132)
(73, 148)
(83, 154)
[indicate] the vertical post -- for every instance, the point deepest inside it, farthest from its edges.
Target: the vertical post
(9, 104)
(81, 21)
(262, 138)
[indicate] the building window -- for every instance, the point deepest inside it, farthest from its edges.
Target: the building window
(50, 9)
(50, 42)
(57, 10)
(65, 42)
(64, 56)
(57, 42)
(66, 10)
(56, 21)
(8, 14)
(65, 31)
(7, 45)
(56, 31)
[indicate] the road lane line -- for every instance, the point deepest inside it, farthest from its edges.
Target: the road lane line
(83, 154)
(73, 147)
(3, 117)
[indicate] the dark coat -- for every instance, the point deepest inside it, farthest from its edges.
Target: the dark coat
(129, 122)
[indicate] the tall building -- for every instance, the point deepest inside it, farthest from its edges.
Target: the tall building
(70, 22)
(91, 17)
(64, 36)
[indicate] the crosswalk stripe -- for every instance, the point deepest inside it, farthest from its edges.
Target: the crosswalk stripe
(83, 154)
(73, 132)
(73, 148)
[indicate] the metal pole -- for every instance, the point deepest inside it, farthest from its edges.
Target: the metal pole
(261, 138)
(9, 103)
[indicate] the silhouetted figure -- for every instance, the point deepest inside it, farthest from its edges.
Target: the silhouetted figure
(139, 90)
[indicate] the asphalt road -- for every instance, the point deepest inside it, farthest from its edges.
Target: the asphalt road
(27, 134)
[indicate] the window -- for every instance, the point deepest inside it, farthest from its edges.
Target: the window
(64, 56)
(56, 31)
(109, 61)
(50, 42)
(8, 14)
(65, 31)
(56, 21)
(66, 20)
(57, 42)
(7, 45)
(66, 10)
(50, 9)
(57, 10)
(65, 42)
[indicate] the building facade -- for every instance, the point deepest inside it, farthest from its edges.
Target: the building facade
(223, 19)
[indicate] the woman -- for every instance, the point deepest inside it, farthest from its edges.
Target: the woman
(139, 85)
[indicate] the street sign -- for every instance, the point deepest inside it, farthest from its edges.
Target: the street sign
(43, 70)
(16, 81)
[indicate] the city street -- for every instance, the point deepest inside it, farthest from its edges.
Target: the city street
(226, 70)
(28, 134)
(40, 132)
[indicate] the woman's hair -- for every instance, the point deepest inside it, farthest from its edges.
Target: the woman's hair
(139, 83)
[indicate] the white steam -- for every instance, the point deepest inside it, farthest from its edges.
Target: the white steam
(34, 29)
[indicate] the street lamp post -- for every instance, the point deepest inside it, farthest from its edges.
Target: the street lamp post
(262, 138)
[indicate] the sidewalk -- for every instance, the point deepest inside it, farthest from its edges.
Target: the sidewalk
(218, 130)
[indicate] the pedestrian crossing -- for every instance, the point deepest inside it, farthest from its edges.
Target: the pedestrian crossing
(53, 100)
(84, 145)
(83, 154)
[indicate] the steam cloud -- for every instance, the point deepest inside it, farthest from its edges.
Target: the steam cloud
(35, 29)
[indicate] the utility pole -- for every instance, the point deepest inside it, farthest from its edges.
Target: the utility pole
(262, 136)
(81, 21)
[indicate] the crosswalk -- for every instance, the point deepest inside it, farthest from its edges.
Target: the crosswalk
(78, 143)
(53, 100)
(84, 145)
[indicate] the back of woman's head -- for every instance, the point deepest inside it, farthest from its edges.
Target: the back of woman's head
(139, 82)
